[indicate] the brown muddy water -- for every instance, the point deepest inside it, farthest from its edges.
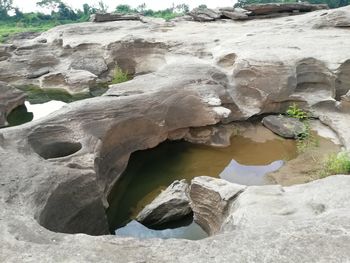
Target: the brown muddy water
(245, 161)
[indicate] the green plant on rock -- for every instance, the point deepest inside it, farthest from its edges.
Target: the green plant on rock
(119, 76)
(295, 112)
(306, 139)
(336, 164)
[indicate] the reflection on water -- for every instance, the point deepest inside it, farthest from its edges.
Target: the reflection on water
(151, 171)
(137, 230)
(44, 109)
(249, 174)
(29, 112)
(41, 102)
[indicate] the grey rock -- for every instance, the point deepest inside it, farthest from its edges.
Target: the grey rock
(270, 8)
(42, 40)
(74, 81)
(45, 195)
(286, 127)
(337, 18)
(342, 84)
(95, 65)
(204, 14)
(210, 198)
(113, 17)
(235, 15)
(171, 205)
(10, 98)
(38, 73)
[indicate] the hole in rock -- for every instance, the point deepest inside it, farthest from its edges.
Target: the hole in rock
(57, 149)
(19, 115)
(245, 161)
(42, 102)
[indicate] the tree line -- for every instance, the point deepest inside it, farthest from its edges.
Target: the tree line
(60, 12)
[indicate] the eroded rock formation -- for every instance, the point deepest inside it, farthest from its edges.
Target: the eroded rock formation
(286, 127)
(10, 98)
(56, 173)
(171, 205)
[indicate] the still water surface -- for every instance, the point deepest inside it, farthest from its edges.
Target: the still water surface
(245, 161)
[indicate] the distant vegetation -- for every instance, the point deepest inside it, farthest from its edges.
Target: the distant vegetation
(13, 21)
(330, 3)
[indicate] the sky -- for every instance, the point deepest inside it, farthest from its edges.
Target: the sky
(30, 5)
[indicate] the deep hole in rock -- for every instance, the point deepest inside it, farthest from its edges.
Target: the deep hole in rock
(58, 149)
(77, 206)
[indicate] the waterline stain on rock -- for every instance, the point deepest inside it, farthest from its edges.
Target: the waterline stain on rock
(151, 171)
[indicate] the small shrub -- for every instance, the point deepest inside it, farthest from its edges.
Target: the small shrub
(307, 138)
(119, 76)
(295, 112)
(336, 164)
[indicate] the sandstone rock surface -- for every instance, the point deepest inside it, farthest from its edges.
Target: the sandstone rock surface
(10, 98)
(271, 8)
(57, 172)
(108, 17)
(210, 199)
(204, 14)
(284, 126)
(171, 205)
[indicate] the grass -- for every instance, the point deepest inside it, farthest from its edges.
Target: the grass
(119, 76)
(336, 164)
(8, 30)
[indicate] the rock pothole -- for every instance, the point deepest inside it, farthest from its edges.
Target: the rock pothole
(59, 143)
(57, 149)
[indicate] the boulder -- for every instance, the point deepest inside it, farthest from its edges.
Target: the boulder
(10, 98)
(38, 73)
(95, 65)
(74, 81)
(271, 8)
(171, 205)
(210, 199)
(204, 14)
(235, 15)
(286, 127)
(108, 17)
(337, 18)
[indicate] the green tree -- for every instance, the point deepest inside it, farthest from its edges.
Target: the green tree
(49, 4)
(141, 8)
(5, 7)
(66, 13)
(124, 9)
(203, 6)
(102, 7)
(18, 13)
(182, 8)
(86, 9)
